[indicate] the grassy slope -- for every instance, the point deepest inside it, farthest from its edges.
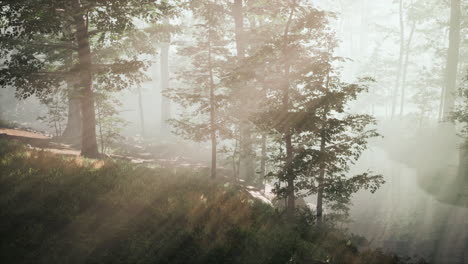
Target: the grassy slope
(62, 210)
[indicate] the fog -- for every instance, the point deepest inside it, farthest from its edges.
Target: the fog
(210, 96)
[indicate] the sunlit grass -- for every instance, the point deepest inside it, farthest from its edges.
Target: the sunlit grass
(58, 209)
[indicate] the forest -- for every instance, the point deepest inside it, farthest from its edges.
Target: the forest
(236, 131)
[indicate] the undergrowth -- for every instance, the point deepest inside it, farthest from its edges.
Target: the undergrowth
(56, 209)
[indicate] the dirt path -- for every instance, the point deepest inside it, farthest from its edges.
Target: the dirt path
(38, 140)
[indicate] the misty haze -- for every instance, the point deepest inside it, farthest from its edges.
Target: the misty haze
(237, 131)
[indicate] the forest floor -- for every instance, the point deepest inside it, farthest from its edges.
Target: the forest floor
(38, 140)
(133, 153)
(56, 210)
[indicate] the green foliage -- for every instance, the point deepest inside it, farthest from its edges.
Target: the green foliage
(56, 112)
(327, 140)
(109, 125)
(202, 96)
(69, 210)
(43, 47)
(460, 114)
(6, 124)
(79, 42)
(305, 103)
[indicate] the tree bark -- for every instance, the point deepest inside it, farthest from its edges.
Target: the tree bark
(89, 146)
(212, 111)
(72, 132)
(263, 158)
(290, 177)
(235, 167)
(247, 158)
(322, 166)
(99, 125)
(238, 15)
(141, 112)
(453, 53)
(463, 161)
(321, 176)
(400, 61)
(290, 189)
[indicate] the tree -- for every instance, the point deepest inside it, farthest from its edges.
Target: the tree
(400, 59)
(341, 139)
(141, 111)
(247, 157)
(426, 96)
(284, 60)
(109, 124)
(326, 141)
(304, 105)
(165, 104)
(38, 33)
(55, 112)
(204, 96)
(453, 53)
(405, 68)
(460, 115)
(72, 132)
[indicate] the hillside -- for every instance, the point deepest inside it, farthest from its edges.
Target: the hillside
(58, 209)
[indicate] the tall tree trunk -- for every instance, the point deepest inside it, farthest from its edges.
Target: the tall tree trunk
(322, 166)
(364, 34)
(141, 112)
(290, 177)
(463, 161)
(212, 111)
(450, 84)
(99, 124)
(400, 60)
(235, 153)
(290, 189)
(264, 150)
(247, 157)
(165, 102)
(453, 53)
(405, 69)
(321, 177)
(441, 105)
(72, 131)
(341, 27)
(263, 159)
(89, 146)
